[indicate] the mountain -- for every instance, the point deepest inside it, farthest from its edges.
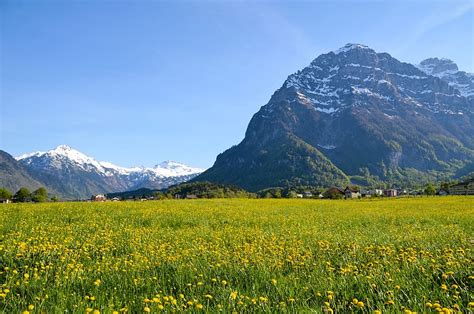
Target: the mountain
(353, 113)
(14, 175)
(448, 71)
(79, 176)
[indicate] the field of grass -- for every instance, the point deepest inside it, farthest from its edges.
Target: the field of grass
(238, 255)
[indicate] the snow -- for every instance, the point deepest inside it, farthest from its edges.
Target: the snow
(326, 110)
(64, 153)
(349, 47)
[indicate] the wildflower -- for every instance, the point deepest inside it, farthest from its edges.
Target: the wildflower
(360, 304)
(444, 287)
(146, 309)
(233, 295)
(199, 306)
(377, 312)
(97, 282)
(31, 307)
(208, 296)
(274, 282)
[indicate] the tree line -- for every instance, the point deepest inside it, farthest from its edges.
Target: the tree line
(24, 195)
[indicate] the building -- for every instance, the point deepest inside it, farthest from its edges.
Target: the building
(390, 192)
(351, 192)
(115, 199)
(4, 201)
(307, 194)
(98, 198)
(191, 196)
(365, 193)
(463, 188)
(442, 192)
(333, 193)
(298, 195)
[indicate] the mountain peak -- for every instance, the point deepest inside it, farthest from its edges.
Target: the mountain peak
(63, 148)
(435, 66)
(351, 46)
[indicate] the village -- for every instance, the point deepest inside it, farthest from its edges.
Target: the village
(349, 192)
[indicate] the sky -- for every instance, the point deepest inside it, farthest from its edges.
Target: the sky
(139, 82)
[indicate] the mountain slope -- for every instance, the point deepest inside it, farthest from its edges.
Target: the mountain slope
(14, 175)
(79, 176)
(358, 112)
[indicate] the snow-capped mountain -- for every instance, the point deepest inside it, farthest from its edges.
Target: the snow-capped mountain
(448, 71)
(79, 175)
(355, 112)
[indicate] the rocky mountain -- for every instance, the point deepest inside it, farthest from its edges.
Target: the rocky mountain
(14, 175)
(448, 71)
(79, 176)
(354, 114)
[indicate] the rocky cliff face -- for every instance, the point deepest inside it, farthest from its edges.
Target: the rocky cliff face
(353, 112)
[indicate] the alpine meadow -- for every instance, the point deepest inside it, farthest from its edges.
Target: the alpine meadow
(239, 255)
(237, 156)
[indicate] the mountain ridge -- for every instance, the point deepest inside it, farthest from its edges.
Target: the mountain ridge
(79, 175)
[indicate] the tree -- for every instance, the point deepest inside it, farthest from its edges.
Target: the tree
(54, 198)
(22, 195)
(430, 189)
(40, 195)
(445, 186)
(5, 194)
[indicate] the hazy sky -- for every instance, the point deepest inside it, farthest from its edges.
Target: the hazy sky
(136, 83)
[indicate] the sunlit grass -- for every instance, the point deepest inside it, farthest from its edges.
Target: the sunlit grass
(238, 255)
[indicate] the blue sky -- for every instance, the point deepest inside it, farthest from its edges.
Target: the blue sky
(136, 83)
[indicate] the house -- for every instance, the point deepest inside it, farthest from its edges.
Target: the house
(390, 192)
(5, 201)
(307, 194)
(442, 192)
(299, 195)
(191, 196)
(333, 193)
(98, 198)
(377, 192)
(351, 192)
(463, 188)
(365, 193)
(115, 199)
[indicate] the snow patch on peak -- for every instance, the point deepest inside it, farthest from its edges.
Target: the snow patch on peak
(171, 168)
(349, 47)
(64, 154)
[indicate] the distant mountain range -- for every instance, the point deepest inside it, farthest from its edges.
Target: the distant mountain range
(357, 115)
(74, 175)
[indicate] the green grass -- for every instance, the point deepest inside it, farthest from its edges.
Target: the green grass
(238, 255)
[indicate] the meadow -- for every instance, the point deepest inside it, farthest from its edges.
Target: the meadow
(238, 255)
